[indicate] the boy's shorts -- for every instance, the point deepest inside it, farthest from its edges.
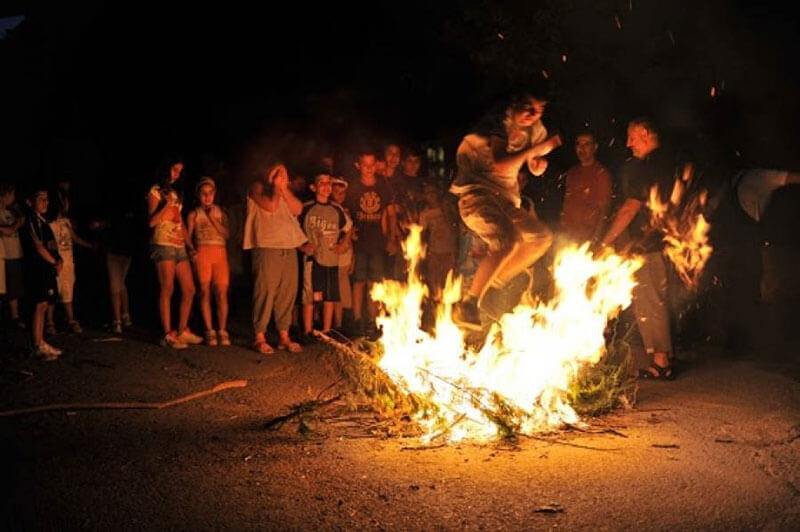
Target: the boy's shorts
(500, 223)
(15, 279)
(320, 283)
(66, 281)
(40, 283)
(159, 253)
(370, 267)
(212, 265)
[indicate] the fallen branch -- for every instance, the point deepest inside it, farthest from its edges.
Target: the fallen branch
(424, 447)
(299, 410)
(123, 406)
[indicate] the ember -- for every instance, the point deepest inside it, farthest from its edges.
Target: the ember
(524, 370)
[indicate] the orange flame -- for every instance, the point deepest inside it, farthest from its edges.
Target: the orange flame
(684, 227)
(530, 361)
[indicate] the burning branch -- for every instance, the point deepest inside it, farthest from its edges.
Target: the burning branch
(684, 229)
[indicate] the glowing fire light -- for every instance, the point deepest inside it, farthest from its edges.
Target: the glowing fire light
(530, 360)
(684, 228)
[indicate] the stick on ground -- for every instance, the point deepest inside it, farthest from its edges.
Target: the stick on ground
(123, 406)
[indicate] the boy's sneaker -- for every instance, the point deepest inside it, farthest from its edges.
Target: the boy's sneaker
(116, 327)
(126, 320)
(50, 329)
(224, 337)
(210, 338)
(171, 340)
(75, 326)
(188, 337)
(466, 315)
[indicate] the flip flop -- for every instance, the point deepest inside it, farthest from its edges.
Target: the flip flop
(292, 347)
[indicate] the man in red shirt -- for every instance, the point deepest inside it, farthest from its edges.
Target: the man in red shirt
(588, 193)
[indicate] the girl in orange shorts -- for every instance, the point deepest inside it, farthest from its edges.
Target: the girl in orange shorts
(207, 226)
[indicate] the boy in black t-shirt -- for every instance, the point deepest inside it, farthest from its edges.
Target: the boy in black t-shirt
(370, 204)
(42, 265)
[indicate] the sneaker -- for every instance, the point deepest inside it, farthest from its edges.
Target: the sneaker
(466, 315)
(188, 337)
(224, 337)
(75, 326)
(171, 340)
(126, 320)
(210, 337)
(50, 329)
(116, 327)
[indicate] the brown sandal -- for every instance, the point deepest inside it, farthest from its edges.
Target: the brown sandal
(292, 347)
(261, 346)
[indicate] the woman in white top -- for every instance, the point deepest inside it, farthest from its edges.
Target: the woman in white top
(273, 234)
(168, 250)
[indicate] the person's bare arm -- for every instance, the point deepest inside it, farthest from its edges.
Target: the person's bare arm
(222, 225)
(191, 225)
(294, 204)
(157, 215)
(507, 162)
(43, 251)
(256, 194)
(78, 240)
(622, 220)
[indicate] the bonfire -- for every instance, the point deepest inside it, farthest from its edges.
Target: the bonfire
(519, 381)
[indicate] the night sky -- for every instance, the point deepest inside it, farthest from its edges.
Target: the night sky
(99, 93)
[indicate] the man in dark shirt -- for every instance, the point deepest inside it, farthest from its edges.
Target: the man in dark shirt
(648, 167)
(368, 200)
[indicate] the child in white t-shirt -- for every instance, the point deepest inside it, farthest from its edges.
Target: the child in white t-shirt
(65, 236)
(11, 220)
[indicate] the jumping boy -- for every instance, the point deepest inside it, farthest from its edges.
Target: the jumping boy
(487, 184)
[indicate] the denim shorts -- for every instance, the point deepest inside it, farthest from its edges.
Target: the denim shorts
(159, 253)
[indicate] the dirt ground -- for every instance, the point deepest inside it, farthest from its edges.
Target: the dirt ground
(717, 449)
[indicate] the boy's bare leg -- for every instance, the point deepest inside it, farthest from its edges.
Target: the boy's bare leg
(51, 309)
(338, 314)
(327, 315)
(70, 312)
(38, 323)
(308, 317)
(358, 300)
(522, 257)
